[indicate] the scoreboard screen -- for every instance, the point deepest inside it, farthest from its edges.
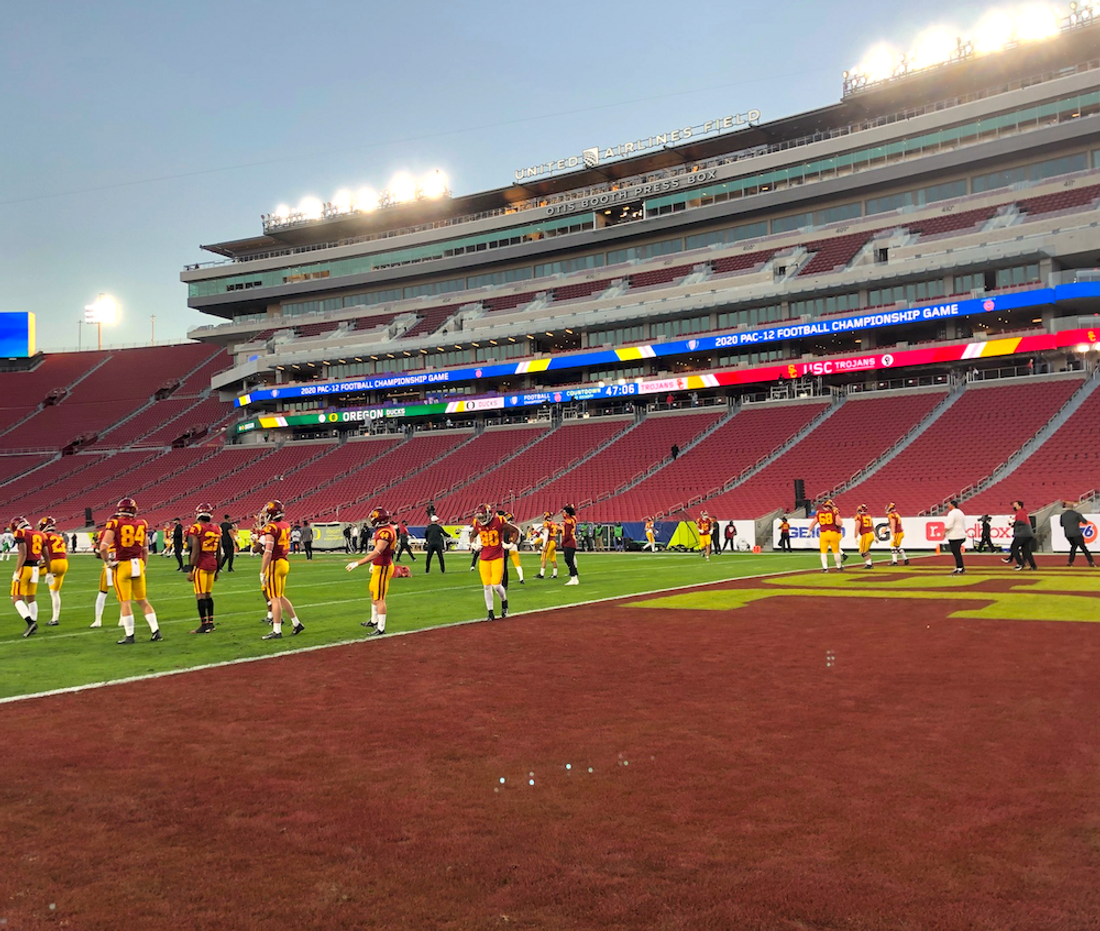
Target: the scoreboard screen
(16, 335)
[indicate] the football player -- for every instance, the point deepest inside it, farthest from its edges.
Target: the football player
(381, 568)
(59, 564)
(124, 547)
(549, 546)
(511, 547)
(828, 519)
(205, 541)
(274, 570)
(865, 534)
(569, 542)
(705, 525)
(897, 534)
(491, 529)
(106, 581)
(32, 556)
(650, 536)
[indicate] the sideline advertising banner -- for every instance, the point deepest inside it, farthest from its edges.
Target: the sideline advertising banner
(1060, 544)
(921, 533)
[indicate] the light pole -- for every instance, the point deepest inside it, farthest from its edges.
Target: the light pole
(104, 309)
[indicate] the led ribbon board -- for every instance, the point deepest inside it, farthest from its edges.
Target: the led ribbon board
(836, 365)
(17, 335)
(948, 310)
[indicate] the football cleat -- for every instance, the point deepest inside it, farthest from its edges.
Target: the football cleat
(96, 624)
(503, 609)
(377, 632)
(574, 581)
(297, 629)
(32, 628)
(272, 635)
(204, 628)
(907, 562)
(127, 506)
(368, 624)
(491, 617)
(156, 637)
(52, 623)
(129, 638)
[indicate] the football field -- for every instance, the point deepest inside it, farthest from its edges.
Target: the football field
(896, 748)
(330, 602)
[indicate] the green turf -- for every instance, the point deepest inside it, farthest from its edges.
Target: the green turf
(330, 602)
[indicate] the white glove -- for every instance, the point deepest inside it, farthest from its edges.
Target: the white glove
(351, 565)
(15, 576)
(263, 577)
(49, 578)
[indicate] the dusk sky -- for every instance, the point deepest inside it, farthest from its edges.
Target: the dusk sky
(133, 131)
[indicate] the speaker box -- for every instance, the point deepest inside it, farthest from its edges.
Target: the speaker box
(89, 521)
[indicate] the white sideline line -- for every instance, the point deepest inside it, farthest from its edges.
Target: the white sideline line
(73, 689)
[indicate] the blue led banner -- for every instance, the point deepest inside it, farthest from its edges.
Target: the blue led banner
(947, 310)
(17, 336)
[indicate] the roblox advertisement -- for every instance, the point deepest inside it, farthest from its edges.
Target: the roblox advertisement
(921, 533)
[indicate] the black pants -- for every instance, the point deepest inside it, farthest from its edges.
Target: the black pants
(178, 550)
(403, 547)
(986, 542)
(435, 550)
(348, 548)
(785, 542)
(309, 549)
(957, 552)
(227, 555)
(730, 544)
(1020, 551)
(571, 560)
(1078, 543)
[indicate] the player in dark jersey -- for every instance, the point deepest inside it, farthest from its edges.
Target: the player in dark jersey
(491, 529)
(205, 541)
(32, 560)
(126, 536)
(381, 568)
(569, 542)
(275, 569)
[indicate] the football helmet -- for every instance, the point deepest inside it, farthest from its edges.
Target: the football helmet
(18, 523)
(482, 512)
(704, 514)
(379, 516)
(204, 510)
(862, 509)
(828, 503)
(274, 509)
(547, 515)
(891, 507)
(47, 523)
(569, 509)
(126, 506)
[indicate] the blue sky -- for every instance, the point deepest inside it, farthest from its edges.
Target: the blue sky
(134, 131)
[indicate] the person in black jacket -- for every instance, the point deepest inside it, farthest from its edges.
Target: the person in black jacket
(1072, 523)
(1023, 538)
(987, 535)
(434, 536)
(177, 543)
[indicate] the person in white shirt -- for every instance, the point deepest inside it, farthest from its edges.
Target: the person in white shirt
(7, 545)
(954, 529)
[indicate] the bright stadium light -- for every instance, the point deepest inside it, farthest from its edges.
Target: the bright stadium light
(934, 48)
(402, 188)
(994, 31)
(104, 309)
(434, 185)
(282, 213)
(341, 201)
(880, 64)
(1037, 21)
(366, 200)
(311, 208)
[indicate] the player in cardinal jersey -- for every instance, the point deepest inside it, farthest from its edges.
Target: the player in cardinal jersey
(32, 559)
(897, 534)
(106, 580)
(865, 534)
(828, 519)
(381, 568)
(126, 536)
(706, 526)
(275, 568)
(59, 564)
(550, 532)
(511, 547)
(491, 529)
(569, 542)
(650, 535)
(205, 540)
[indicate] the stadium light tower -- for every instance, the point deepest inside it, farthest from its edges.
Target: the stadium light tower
(104, 309)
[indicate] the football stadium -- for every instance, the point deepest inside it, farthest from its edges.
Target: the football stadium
(757, 461)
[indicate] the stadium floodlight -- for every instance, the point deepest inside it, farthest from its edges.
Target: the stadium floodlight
(934, 47)
(402, 188)
(341, 201)
(104, 309)
(366, 200)
(434, 185)
(994, 31)
(311, 208)
(282, 213)
(1037, 21)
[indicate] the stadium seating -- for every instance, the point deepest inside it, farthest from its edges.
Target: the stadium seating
(1069, 199)
(204, 415)
(12, 468)
(508, 301)
(431, 319)
(740, 263)
(1063, 468)
(539, 463)
(856, 435)
(632, 453)
(837, 252)
(659, 276)
(975, 435)
(583, 289)
(80, 486)
(965, 220)
(752, 434)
